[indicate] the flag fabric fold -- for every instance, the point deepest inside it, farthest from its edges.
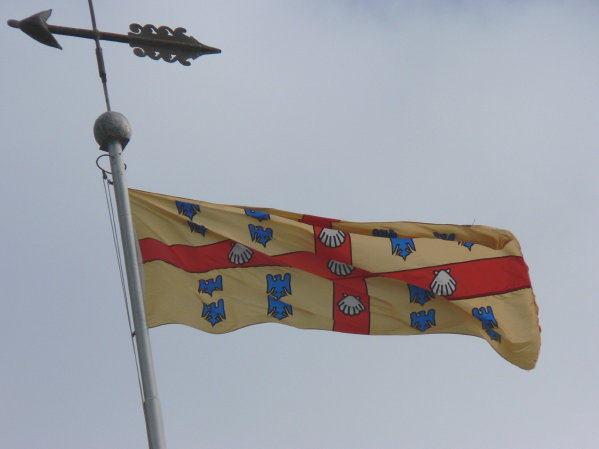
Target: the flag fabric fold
(219, 268)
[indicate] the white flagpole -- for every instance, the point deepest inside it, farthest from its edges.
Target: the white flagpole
(112, 131)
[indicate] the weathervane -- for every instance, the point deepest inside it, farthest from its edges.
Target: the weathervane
(155, 42)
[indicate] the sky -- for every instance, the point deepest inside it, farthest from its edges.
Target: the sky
(459, 112)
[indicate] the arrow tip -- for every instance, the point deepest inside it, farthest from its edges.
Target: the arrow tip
(36, 27)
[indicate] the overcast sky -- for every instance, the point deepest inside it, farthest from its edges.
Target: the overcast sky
(460, 112)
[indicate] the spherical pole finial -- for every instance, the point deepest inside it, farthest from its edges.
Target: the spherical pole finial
(111, 126)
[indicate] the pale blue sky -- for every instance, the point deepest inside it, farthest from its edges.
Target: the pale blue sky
(448, 112)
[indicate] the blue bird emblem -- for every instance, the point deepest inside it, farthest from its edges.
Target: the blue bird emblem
(450, 237)
(214, 313)
(420, 295)
(211, 285)
(493, 335)
(423, 320)
(260, 235)
(486, 316)
(402, 246)
(197, 228)
(187, 209)
(278, 308)
(277, 287)
(258, 215)
(389, 233)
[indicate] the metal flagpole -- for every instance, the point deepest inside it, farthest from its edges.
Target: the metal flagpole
(112, 132)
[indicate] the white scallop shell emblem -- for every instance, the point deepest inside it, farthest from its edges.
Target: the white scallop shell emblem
(332, 237)
(443, 284)
(351, 305)
(340, 268)
(240, 254)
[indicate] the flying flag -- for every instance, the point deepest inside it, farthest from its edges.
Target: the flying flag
(219, 268)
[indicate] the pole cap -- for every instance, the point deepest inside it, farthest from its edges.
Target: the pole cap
(111, 126)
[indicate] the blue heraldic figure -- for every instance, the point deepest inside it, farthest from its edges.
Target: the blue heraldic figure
(257, 214)
(187, 209)
(210, 285)
(468, 245)
(389, 233)
(260, 235)
(423, 320)
(278, 286)
(494, 335)
(402, 247)
(489, 323)
(420, 295)
(278, 308)
(214, 313)
(450, 237)
(486, 316)
(198, 228)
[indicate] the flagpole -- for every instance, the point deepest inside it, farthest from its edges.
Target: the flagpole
(112, 132)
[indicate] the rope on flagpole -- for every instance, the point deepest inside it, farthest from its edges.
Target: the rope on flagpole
(117, 248)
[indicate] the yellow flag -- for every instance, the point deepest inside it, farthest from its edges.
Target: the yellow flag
(219, 268)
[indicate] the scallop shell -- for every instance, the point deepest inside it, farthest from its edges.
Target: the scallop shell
(332, 237)
(443, 284)
(351, 305)
(240, 254)
(340, 268)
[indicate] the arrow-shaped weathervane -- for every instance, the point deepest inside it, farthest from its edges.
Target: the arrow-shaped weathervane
(155, 42)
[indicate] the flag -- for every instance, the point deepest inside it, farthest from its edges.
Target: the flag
(219, 268)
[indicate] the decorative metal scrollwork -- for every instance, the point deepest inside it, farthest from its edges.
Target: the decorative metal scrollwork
(164, 43)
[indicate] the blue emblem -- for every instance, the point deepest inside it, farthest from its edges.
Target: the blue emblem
(278, 308)
(257, 214)
(423, 320)
(260, 235)
(450, 237)
(278, 286)
(402, 246)
(187, 209)
(210, 285)
(197, 228)
(494, 335)
(214, 313)
(389, 233)
(485, 316)
(420, 295)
